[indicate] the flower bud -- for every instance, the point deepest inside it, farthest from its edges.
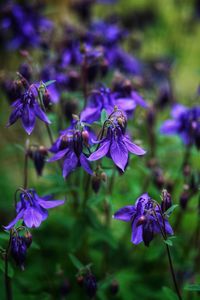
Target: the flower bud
(85, 136)
(80, 280)
(114, 287)
(96, 182)
(38, 155)
(90, 284)
(28, 238)
(184, 199)
(18, 250)
(166, 201)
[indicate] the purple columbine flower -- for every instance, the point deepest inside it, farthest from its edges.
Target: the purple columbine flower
(146, 219)
(19, 250)
(185, 123)
(27, 109)
(32, 209)
(69, 147)
(103, 98)
(116, 144)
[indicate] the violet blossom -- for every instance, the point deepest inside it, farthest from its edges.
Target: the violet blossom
(146, 219)
(27, 109)
(185, 123)
(69, 147)
(32, 209)
(116, 144)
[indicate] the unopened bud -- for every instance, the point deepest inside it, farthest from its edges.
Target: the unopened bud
(166, 201)
(85, 136)
(28, 238)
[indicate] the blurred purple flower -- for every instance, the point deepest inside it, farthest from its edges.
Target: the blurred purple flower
(27, 109)
(185, 123)
(103, 98)
(18, 250)
(69, 147)
(146, 219)
(116, 144)
(32, 209)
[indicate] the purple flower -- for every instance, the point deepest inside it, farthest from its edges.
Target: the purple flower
(185, 123)
(32, 209)
(116, 144)
(18, 250)
(146, 219)
(103, 98)
(69, 148)
(27, 109)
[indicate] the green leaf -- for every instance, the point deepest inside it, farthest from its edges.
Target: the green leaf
(192, 287)
(170, 295)
(76, 262)
(4, 236)
(104, 116)
(171, 209)
(49, 82)
(168, 242)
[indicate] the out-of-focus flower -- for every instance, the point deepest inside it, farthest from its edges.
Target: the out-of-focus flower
(38, 154)
(146, 219)
(32, 209)
(103, 98)
(116, 144)
(185, 123)
(69, 148)
(27, 109)
(90, 284)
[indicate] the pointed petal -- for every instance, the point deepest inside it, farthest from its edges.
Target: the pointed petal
(58, 155)
(40, 113)
(70, 163)
(139, 100)
(28, 119)
(85, 164)
(119, 153)
(133, 148)
(14, 116)
(136, 236)
(125, 213)
(102, 151)
(90, 114)
(50, 204)
(16, 219)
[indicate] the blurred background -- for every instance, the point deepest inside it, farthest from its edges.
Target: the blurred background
(164, 38)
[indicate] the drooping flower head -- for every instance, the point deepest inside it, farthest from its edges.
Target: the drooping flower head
(185, 123)
(27, 109)
(115, 143)
(146, 218)
(69, 147)
(32, 209)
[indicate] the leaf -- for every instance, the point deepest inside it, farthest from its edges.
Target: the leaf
(170, 295)
(76, 262)
(49, 82)
(104, 116)
(168, 242)
(192, 287)
(171, 209)
(4, 236)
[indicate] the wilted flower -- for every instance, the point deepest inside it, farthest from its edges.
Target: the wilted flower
(116, 144)
(69, 147)
(27, 109)
(185, 123)
(32, 209)
(146, 219)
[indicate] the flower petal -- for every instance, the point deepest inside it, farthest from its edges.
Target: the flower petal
(125, 104)
(33, 217)
(102, 151)
(58, 155)
(90, 114)
(125, 213)
(133, 148)
(50, 204)
(119, 153)
(40, 113)
(28, 119)
(169, 127)
(85, 164)
(16, 219)
(70, 163)
(136, 236)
